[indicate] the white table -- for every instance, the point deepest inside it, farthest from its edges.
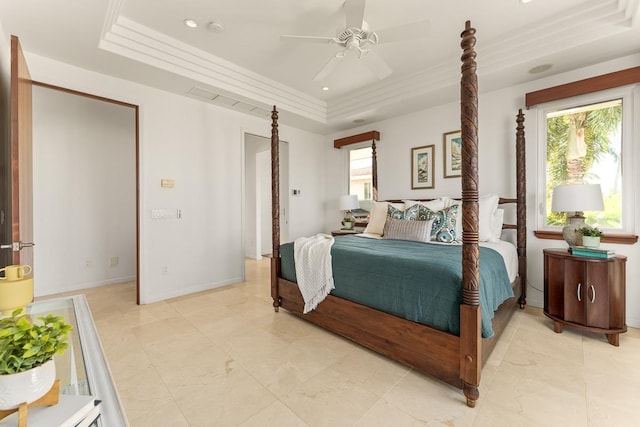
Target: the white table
(83, 369)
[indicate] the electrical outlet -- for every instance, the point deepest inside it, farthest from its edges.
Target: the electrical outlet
(87, 263)
(165, 269)
(113, 261)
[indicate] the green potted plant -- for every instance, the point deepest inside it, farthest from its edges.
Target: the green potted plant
(348, 222)
(590, 236)
(27, 368)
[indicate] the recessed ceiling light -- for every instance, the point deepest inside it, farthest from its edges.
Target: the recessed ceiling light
(540, 69)
(525, 1)
(190, 23)
(325, 88)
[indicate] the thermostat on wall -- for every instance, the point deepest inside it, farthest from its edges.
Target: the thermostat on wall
(166, 183)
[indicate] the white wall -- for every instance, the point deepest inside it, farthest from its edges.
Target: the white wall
(84, 194)
(497, 111)
(201, 147)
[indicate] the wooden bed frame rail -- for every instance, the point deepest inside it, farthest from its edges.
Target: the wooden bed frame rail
(456, 360)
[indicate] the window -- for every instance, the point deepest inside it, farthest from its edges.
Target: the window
(587, 139)
(360, 172)
(584, 146)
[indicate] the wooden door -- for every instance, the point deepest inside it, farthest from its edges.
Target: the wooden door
(20, 204)
(597, 293)
(575, 285)
(554, 285)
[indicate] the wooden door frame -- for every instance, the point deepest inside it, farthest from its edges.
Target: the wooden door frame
(21, 162)
(137, 160)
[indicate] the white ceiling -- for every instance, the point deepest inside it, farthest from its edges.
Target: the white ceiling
(252, 68)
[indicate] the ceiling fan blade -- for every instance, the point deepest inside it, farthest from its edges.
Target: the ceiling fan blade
(328, 68)
(412, 31)
(354, 13)
(377, 65)
(311, 39)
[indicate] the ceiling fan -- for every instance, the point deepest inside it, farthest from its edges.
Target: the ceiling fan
(357, 37)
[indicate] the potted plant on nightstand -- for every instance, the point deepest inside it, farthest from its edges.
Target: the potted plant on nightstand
(27, 368)
(590, 236)
(348, 222)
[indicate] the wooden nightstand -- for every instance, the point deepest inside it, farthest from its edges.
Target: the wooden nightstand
(586, 293)
(345, 232)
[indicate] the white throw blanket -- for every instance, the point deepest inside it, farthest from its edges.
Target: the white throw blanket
(312, 257)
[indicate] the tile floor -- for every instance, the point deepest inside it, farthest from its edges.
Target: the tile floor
(224, 358)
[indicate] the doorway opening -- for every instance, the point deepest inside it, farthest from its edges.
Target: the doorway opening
(257, 195)
(86, 197)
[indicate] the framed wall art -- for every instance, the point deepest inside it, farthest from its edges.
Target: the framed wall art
(422, 167)
(452, 154)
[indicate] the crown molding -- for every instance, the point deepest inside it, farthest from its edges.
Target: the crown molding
(553, 35)
(132, 40)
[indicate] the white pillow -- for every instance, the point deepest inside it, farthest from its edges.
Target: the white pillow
(378, 217)
(434, 205)
(496, 225)
(486, 207)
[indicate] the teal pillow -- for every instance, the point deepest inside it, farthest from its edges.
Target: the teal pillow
(394, 213)
(444, 221)
(444, 225)
(418, 212)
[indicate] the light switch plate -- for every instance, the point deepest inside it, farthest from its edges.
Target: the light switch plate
(160, 214)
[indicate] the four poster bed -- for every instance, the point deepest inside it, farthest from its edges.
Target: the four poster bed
(456, 356)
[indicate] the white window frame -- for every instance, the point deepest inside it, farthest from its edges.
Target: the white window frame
(358, 146)
(630, 96)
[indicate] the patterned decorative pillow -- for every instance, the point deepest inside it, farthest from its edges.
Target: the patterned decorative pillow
(395, 213)
(402, 229)
(418, 212)
(444, 224)
(434, 205)
(444, 220)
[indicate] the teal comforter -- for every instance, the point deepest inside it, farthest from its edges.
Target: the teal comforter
(418, 281)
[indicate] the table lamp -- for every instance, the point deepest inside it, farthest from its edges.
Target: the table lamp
(347, 203)
(574, 199)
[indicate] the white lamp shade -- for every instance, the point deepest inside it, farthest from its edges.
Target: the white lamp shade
(577, 197)
(348, 202)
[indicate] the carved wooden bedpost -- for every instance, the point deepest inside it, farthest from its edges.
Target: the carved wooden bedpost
(275, 209)
(522, 206)
(470, 343)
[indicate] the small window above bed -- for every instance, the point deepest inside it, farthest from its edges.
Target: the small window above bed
(361, 173)
(360, 153)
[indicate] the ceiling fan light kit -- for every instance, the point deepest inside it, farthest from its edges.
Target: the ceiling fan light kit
(357, 36)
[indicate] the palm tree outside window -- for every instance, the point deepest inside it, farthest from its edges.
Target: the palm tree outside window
(584, 145)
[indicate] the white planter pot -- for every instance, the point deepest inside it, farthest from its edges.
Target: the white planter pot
(27, 386)
(590, 241)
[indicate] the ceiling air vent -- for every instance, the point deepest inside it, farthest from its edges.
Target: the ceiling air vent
(225, 101)
(202, 93)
